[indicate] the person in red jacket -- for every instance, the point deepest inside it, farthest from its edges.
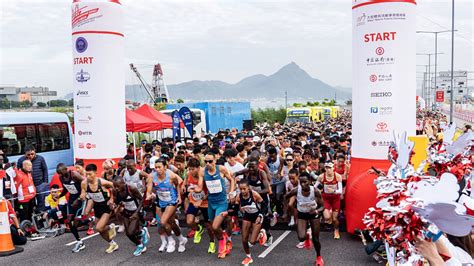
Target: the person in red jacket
(26, 191)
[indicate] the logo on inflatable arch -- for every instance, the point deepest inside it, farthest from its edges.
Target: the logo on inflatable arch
(379, 51)
(373, 78)
(81, 44)
(381, 127)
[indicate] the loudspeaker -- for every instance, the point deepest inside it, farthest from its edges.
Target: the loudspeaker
(248, 125)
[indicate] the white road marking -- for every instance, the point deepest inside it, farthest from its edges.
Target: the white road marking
(272, 246)
(87, 237)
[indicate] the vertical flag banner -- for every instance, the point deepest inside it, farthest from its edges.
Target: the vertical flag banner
(176, 122)
(187, 117)
(98, 79)
(383, 93)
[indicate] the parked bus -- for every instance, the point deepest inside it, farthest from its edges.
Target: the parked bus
(299, 115)
(49, 132)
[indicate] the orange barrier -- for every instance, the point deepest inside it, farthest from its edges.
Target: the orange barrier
(6, 243)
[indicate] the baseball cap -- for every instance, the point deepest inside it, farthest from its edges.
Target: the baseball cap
(329, 164)
(288, 151)
(256, 139)
(202, 141)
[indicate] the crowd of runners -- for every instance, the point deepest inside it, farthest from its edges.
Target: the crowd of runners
(227, 184)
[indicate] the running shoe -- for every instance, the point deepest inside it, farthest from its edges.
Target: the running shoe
(274, 220)
(182, 244)
(336, 235)
(112, 232)
(222, 248)
(262, 237)
(79, 246)
(269, 241)
(140, 249)
(171, 247)
(163, 246)
(300, 245)
(212, 248)
(198, 234)
(319, 261)
(292, 221)
(120, 228)
(228, 247)
(90, 231)
(153, 222)
(113, 246)
(247, 260)
(191, 233)
(145, 236)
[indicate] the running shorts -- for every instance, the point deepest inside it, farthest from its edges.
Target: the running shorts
(194, 211)
(332, 202)
(214, 209)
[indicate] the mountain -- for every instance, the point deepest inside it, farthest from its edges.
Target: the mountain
(291, 78)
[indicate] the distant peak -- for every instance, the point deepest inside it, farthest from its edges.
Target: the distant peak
(291, 69)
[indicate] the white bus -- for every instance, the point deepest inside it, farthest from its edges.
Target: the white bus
(50, 133)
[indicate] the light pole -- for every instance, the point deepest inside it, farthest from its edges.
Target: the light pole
(451, 105)
(429, 76)
(423, 87)
(436, 50)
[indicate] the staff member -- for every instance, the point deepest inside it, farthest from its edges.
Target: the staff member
(26, 191)
(39, 173)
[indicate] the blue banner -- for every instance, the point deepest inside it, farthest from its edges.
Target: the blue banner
(176, 129)
(187, 117)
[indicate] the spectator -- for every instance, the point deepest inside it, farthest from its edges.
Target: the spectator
(39, 173)
(18, 236)
(26, 191)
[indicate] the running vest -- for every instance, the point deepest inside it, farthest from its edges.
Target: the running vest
(193, 196)
(130, 203)
(340, 170)
(248, 205)
(73, 187)
(306, 204)
(215, 187)
(134, 180)
(257, 185)
(329, 184)
(273, 167)
(166, 192)
(99, 196)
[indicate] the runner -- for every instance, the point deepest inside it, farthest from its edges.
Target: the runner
(253, 208)
(291, 184)
(134, 177)
(213, 177)
(98, 192)
(198, 202)
(129, 203)
(165, 185)
(332, 190)
(71, 181)
(309, 204)
(231, 220)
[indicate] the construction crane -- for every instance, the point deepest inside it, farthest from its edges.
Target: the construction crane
(158, 91)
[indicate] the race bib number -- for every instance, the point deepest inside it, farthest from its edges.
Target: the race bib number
(130, 205)
(214, 186)
(328, 188)
(59, 214)
(250, 208)
(307, 206)
(97, 197)
(7, 184)
(198, 196)
(31, 189)
(71, 188)
(164, 196)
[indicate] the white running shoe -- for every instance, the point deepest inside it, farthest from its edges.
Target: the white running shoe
(292, 222)
(163, 246)
(300, 245)
(171, 247)
(120, 228)
(182, 245)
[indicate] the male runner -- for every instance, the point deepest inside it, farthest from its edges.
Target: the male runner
(71, 181)
(198, 202)
(213, 177)
(332, 190)
(98, 191)
(129, 203)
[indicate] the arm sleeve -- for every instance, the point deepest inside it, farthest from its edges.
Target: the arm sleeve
(339, 188)
(45, 171)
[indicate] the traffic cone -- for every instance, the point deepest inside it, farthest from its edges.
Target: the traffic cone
(6, 243)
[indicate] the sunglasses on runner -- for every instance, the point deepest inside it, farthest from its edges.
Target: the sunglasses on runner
(209, 161)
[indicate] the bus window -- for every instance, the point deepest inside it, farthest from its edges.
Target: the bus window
(14, 138)
(53, 137)
(197, 117)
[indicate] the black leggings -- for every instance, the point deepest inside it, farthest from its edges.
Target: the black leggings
(314, 223)
(18, 239)
(25, 210)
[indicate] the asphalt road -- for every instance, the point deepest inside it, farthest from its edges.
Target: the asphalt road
(53, 251)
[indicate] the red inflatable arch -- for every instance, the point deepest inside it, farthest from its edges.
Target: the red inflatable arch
(360, 190)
